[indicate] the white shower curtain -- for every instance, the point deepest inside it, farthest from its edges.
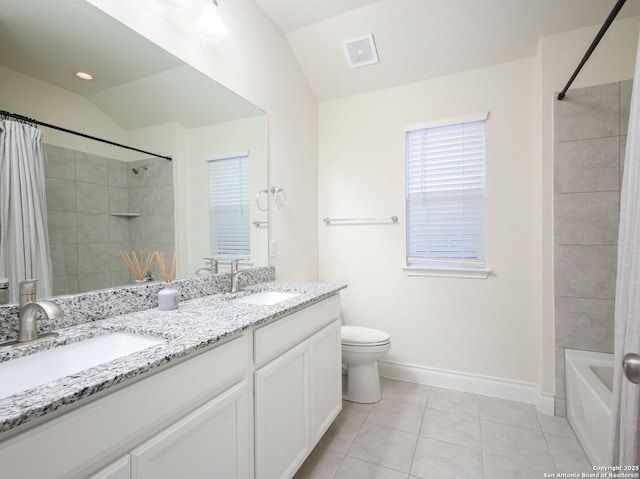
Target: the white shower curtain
(625, 444)
(24, 240)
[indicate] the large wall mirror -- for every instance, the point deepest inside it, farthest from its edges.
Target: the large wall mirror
(103, 199)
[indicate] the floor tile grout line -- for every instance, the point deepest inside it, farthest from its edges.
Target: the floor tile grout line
(353, 441)
(544, 436)
(482, 455)
(378, 465)
(553, 460)
(363, 418)
(415, 448)
(344, 456)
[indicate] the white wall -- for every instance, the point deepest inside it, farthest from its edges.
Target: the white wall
(488, 327)
(43, 101)
(256, 62)
(503, 326)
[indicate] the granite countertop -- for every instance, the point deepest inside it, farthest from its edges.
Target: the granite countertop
(197, 324)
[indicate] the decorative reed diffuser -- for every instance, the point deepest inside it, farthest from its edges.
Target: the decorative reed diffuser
(136, 265)
(168, 296)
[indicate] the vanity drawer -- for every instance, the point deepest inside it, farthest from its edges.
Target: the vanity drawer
(277, 337)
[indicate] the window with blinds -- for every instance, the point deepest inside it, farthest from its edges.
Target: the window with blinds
(446, 194)
(229, 205)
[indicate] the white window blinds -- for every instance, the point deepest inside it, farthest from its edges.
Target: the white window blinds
(229, 205)
(446, 193)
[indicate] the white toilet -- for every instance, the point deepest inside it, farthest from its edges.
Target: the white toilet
(361, 349)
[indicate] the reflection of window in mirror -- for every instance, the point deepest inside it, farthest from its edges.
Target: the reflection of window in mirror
(229, 211)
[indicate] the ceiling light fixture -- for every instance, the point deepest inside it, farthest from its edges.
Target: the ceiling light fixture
(210, 23)
(84, 75)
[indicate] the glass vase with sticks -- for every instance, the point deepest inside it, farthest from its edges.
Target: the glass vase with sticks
(139, 266)
(168, 296)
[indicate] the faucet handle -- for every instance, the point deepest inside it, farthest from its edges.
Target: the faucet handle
(27, 291)
(234, 265)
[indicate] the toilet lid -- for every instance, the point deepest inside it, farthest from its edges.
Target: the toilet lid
(361, 335)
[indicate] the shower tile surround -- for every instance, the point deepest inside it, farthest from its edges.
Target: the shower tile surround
(590, 128)
(83, 193)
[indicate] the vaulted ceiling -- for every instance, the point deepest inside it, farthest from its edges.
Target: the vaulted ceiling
(420, 39)
(415, 39)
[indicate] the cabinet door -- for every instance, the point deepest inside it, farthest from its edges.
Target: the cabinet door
(282, 414)
(120, 469)
(326, 378)
(211, 442)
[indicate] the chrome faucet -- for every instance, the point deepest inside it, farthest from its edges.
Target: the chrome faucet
(28, 314)
(27, 291)
(236, 273)
(29, 308)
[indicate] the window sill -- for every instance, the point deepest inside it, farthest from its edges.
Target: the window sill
(473, 273)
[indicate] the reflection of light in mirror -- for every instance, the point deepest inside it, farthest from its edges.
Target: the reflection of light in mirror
(210, 24)
(84, 75)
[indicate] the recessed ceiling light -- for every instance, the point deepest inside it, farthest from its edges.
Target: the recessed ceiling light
(84, 75)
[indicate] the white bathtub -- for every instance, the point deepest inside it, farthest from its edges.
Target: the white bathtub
(589, 381)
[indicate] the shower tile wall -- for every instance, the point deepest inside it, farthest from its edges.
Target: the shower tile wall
(150, 193)
(590, 127)
(84, 195)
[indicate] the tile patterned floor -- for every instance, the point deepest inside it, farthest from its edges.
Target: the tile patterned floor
(419, 431)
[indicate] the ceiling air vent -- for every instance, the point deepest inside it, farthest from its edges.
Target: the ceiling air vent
(360, 51)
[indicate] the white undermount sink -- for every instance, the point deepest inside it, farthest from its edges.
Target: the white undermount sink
(40, 368)
(266, 298)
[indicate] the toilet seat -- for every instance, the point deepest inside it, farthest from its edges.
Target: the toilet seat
(366, 348)
(358, 336)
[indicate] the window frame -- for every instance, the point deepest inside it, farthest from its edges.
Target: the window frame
(445, 266)
(244, 204)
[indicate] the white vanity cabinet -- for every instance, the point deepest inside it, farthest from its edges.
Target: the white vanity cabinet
(140, 423)
(120, 469)
(326, 379)
(212, 441)
(298, 390)
(250, 408)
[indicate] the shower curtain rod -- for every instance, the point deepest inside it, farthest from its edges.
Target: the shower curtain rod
(24, 119)
(594, 44)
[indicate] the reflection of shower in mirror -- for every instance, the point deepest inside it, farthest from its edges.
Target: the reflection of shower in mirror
(140, 169)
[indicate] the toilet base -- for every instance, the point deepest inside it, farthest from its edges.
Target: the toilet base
(363, 383)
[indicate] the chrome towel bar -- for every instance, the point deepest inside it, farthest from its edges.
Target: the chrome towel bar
(392, 219)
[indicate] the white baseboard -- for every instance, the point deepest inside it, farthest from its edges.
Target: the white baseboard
(473, 383)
